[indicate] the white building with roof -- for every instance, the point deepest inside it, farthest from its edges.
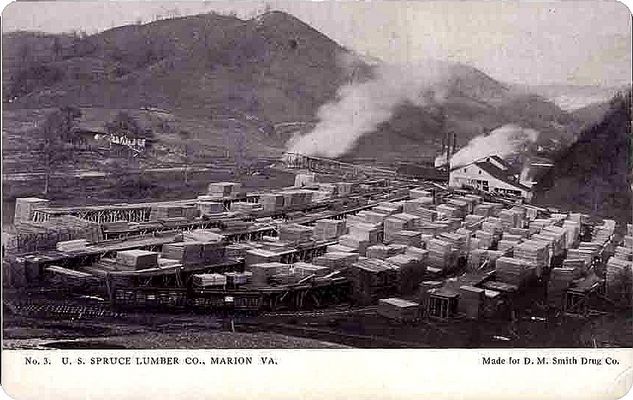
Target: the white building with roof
(490, 174)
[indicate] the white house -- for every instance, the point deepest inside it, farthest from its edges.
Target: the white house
(490, 174)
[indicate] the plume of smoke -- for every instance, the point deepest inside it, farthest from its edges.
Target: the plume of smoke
(504, 141)
(361, 106)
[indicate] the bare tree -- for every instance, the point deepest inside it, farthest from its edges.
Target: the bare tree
(187, 148)
(53, 147)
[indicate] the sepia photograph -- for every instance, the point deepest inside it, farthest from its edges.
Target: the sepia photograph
(316, 175)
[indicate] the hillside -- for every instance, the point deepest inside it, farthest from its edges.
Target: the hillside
(594, 174)
(269, 71)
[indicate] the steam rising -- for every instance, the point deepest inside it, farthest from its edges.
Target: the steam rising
(504, 141)
(361, 107)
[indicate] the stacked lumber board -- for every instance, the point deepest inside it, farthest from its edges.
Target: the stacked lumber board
(237, 250)
(413, 206)
(369, 232)
(339, 248)
(382, 251)
(411, 270)
(261, 256)
(399, 222)
(581, 254)
(492, 225)
(475, 259)
(294, 198)
(442, 255)
(485, 238)
(510, 219)
(507, 245)
(165, 211)
(24, 207)
(513, 271)
(345, 188)
(209, 280)
(202, 235)
(483, 210)
(471, 203)
(512, 237)
(471, 301)
(386, 209)
(224, 189)
(473, 222)
(618, 280)
(45, 235)
(263, 272)
(573, 232)
(116, 226)
(210, 208)
(336, 261)
(458, 240)
(448, 211)
(372, 279)
(534, 253)
(63, 275)
(628, 241)
(359, 245)
(623, 253)
(371, 217)
(271, 201)
(245, 207)
(420, 193)
(137, 259)
(398, 309)
(304, 269)
(72, 245)
(234, 279)
(294, 233)
(188, 253)
(579, 267)
(407, 237)
(328, 229)
(461, 206)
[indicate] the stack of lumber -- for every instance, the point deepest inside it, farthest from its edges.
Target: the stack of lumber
(168, 263)
(492, 225)
(369, 232)
(173, 222)
(618, 280)
(426, 214)
(399, 222)
(284, 278)
(475, 198)
(573, 232)
(513, 271)
(493, 256)
(461, 206)
(419, 192)
(417, 252)
(505, 245)
(382, 251)
(212, 252)
(581, 254)
(559, 281)
(495, 208)
(398, 309)
(372, 279)
(202, 235)
(234, 279)
(355, 243)
(411, 270)
(483, 210)
(473, 222)
(406, 237)
(67, 275)
(294, 233)
(245, 208)
(510, 219)
(190, 212)
(628, 241)
(448, 211)
(412, 206)
(137, 259)
(578, 266)
(328, 229)
(72, 245)
(371, 217)
(115, 226)
(271, 201)
(629, 229)
(262, 272)
(261, 256)
(623, 253)
(235, 225)
(189, 253)
(511, 237)
(442, 255)
(559, 233)
(165, 211)
(476, 244)
(433, 228)
(339, 248)
(469, 201)
(24, 207)
(45, 235)
(459, 242)
(207, 208)
(224, 189)
(236, 250)
(538, 224)
(328, 188)
(554, 243)
(385, 209)
(336, 261)
(209, 280)
(305, 179)
(294, 198)
(524, 233)
(535, 254)
(303, 269)
(485, 238)
(471, 301)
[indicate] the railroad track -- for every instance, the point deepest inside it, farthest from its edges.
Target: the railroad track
(62, 311)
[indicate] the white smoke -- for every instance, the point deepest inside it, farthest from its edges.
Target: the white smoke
(361, 107)
(504, 141)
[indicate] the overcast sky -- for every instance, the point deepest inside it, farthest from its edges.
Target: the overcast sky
(570, 42)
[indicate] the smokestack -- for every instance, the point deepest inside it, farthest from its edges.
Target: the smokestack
(443, 145)
(454, 143)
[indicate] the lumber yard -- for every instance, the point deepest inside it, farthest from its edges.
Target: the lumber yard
(404, 250)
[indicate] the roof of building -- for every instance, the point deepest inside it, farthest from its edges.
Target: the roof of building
(488, 165)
